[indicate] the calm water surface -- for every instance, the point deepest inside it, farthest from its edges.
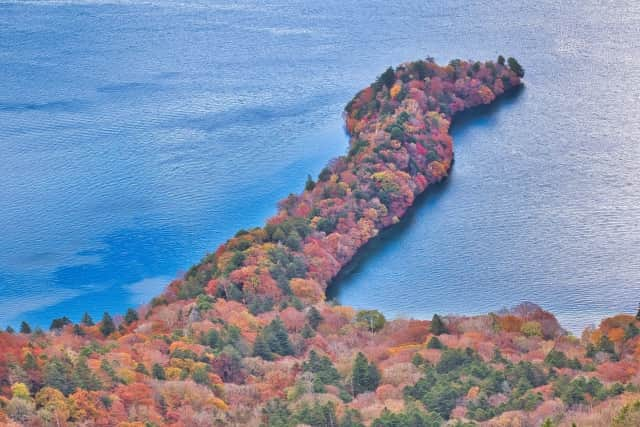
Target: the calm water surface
(137, 136)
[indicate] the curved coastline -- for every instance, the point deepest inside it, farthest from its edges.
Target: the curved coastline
(367, 253)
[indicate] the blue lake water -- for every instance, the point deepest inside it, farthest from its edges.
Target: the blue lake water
(137, 136)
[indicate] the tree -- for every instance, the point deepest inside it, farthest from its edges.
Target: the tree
(280, 338)
(373, 319)
(500, 59)
(261, 349)
(322, 368)
(310, 184)
(307, 331)
(365, 376)
(131, 316)
(10, 330)
(157, 371)
(515, 67)
(638, 313)
(87, 320)
(273, 339)
(107, 327)
(201, 376)
(276, 414)
(314, 317)
(30, 362)
(435, 343)
(140, 368)
(57, 324)
(437, 325)
(606, 345)
(84, 377)
(20, 390)
(556, 359)
(58, 374)
(388, 78)
(25, 328)
(411, 417)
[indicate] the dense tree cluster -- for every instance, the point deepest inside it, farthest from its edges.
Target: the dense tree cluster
(247, 338)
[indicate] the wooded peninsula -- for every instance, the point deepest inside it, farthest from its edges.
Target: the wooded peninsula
(247, 337)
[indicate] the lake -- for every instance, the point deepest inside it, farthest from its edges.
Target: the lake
(137, 136)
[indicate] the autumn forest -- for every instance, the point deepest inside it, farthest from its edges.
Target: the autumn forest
(247, 336)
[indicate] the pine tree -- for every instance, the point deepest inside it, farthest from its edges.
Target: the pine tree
(307, 331)
(314, 317)
(157, 371)
(57, 374)
(107, 327)
(365, 376)
(310, 184)
(515, 67)
(142, 369)
(281, 336)
(9, 330)
(87, 320)
(84, 377)
(638, 313)
(435, 343)
(30, 362)
(131, 316)
(57, 324)
(261, 349)
(437, 325)
(25, 328)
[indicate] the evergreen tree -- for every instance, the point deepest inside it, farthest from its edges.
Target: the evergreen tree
(84, 377)
(261, 349)
(131, 316)
(25, 328)
(142, 369)
(273, 339)
(157, 371)
(9, 330)
(310, 184)
(437, 325)
(606, 345)
(515, 67)
(322, 368)
(388, 78)
(365, 376)
(30, 362)
(500, 59)
(314, 317)
(638, 313)
(77, 330)
(631, 331)
(276, 414)
(107, 327)
(58, 374)
(87, 320)
(281, 336)
(435, 343)
(57, 324)
(307, 331)
(201, 376)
